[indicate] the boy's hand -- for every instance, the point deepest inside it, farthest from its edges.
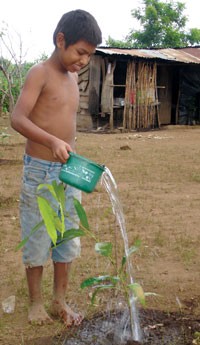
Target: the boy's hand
(60, 150)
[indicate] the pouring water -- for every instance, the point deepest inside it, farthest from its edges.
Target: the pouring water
(108, 182)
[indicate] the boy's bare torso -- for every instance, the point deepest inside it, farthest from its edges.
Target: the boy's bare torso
(55, 110)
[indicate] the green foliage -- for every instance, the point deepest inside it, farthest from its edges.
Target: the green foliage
(4, 136)
(104, 248)
(81, 214)
(196, 340)
(162, 26)
(111, 42)
(11, 81)
(33, 230)
(194, 36)
(54, 223)
(42, 57)
(55, 226)
(97, 280)
(119, 281)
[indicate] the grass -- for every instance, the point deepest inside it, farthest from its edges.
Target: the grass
(196, 177)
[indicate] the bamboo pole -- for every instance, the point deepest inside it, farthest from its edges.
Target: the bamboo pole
(130, 90)
(111, 95)
(127, 96)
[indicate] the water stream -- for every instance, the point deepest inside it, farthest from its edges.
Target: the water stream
(108, 182)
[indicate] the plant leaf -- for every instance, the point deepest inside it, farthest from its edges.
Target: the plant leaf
(60, 193)
(81, 214)
(57, 222)
(138, 292)
(134, 248)
(96, 280)
(124, 259)
(131, 250)
(100, 288)
(104, 248)
(151, 294)
(48, 214)
(50, 187)
(33, 230)
(69, 235)
(54, 190)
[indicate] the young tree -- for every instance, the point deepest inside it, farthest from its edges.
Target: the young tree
(6, 95)
(13, 67)
(162, 26)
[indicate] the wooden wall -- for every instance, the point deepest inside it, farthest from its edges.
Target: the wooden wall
(147, 95)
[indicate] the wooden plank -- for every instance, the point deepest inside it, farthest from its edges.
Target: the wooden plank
(83, 105)
(113, 85)
(94, 84)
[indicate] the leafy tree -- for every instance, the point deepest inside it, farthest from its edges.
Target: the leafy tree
(111, 42)
(194, 36)
(162, 26)
(11, 80)
(6, 85)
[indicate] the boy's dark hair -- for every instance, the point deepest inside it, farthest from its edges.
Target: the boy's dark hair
(78, 25)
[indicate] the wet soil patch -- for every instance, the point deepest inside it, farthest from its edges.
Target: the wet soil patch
(157, 328)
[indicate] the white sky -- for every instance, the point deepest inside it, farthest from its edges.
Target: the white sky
(36, 20)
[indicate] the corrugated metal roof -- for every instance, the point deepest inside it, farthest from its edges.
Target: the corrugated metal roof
(185, 55)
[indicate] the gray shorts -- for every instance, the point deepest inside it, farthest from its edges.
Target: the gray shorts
(37, 249)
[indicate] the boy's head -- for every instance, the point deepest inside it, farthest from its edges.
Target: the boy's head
(78, 25)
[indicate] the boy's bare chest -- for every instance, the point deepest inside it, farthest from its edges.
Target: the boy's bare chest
(61, 93)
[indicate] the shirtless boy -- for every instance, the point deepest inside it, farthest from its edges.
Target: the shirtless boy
(45, 114)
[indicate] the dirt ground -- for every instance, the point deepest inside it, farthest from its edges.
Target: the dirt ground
(158, 179)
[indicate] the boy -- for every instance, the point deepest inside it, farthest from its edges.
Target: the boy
(45, 114)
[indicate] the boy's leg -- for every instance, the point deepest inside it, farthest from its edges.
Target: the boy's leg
(62, 257)
(37, 313)
(36, 250)
(59, 306)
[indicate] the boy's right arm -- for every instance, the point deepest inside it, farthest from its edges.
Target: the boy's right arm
(21, 122)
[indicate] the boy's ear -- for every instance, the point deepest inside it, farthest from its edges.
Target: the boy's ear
(60, 40)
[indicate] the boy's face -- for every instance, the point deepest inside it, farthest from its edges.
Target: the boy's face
(75, 56)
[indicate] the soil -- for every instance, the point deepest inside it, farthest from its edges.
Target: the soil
(158, 179)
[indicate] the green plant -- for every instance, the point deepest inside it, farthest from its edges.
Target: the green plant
(196, 340)
(196, 177)
(55, 226)
(3, 136)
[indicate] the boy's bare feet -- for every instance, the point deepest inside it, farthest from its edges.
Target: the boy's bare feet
(68, 316)
(38, 316)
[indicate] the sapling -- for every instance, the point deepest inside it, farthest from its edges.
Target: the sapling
(55, 226)
(54, 222)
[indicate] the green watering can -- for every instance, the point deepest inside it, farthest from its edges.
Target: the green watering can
(81, 172)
